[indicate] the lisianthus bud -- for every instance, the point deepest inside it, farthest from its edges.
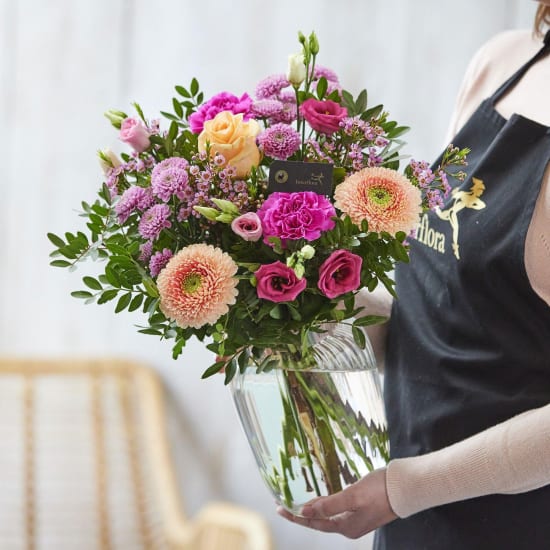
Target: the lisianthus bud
(226, 206)
(307, 252)
(301, 37)
(116, 118)
(108, 160)
(313, 44)
(207, 212)
(296, 72)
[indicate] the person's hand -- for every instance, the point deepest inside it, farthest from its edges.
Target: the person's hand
(353, 512)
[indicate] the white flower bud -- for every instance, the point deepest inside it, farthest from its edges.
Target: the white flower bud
(296, 72)
(108, 160)
(307, 252)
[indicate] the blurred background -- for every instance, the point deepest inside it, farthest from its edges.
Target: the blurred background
(64, 62)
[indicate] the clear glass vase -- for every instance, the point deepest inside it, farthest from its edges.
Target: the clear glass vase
(314, 429)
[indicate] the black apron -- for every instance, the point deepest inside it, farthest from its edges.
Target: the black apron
(469, 341)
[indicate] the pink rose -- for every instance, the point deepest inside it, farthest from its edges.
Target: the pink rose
(340, 273)
(303, 215)
(248, 226)
(135, 134)
(278, 283)
(223, 101)
(323, 116)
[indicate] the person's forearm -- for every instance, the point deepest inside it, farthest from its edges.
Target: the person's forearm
(511, 457)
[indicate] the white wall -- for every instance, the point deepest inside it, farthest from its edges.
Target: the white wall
(62, 63)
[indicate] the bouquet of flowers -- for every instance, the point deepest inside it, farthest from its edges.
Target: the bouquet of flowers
(253, 220)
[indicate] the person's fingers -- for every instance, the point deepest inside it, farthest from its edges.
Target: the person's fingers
(326, 507)
(327, 525)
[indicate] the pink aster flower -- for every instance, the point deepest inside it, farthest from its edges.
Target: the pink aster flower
(303, 215)
(267, 108)
(278, 283)
(134, 198)
(279, 141)
(158, 261)
(286, 115)
(224, 101)
(154, 220)
(145, 251)
(329, 74)
(269, 87)
(383, 197)
(197, 286)
(170, 178)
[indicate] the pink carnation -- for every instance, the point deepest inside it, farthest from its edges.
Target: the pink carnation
(223, 101)
(277, 282)
(340, 273)
(135, 134)
(303, 215)
(323, 116)
(197, 286)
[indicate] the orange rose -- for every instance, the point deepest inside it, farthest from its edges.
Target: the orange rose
(228, 135)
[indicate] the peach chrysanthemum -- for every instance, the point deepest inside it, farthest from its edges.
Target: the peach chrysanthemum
(386, 199)
(197, 286)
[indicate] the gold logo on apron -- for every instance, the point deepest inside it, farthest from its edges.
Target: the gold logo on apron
(461, 200)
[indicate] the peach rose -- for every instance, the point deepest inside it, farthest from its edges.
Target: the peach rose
(230, 136)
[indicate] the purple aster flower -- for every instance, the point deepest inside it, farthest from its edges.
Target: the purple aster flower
(279, 141)
(154, 221)
(224, 101)
(146, 249)
(329, 74)
(267, 108)
(158, 261)
(286, 115)
(170, 178)
(134, 198)
(269, 87)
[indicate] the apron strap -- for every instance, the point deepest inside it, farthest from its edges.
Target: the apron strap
(516, 77)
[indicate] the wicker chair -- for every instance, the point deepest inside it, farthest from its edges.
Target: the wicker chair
(84, 463)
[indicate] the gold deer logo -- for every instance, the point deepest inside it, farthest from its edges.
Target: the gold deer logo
(461, 200)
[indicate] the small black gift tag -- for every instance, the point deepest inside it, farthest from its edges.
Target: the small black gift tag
(290, 177)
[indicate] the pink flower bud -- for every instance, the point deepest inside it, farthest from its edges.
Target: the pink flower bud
(248, 226)
(135, 134)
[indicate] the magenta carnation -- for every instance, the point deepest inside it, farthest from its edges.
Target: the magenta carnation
(170, 178)
(134, 198)
(223, 101)
(293, 216)
(323, 116)
(340, 273)
(158, 261)
(154, 221)
(279, 141)
(277, 282)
